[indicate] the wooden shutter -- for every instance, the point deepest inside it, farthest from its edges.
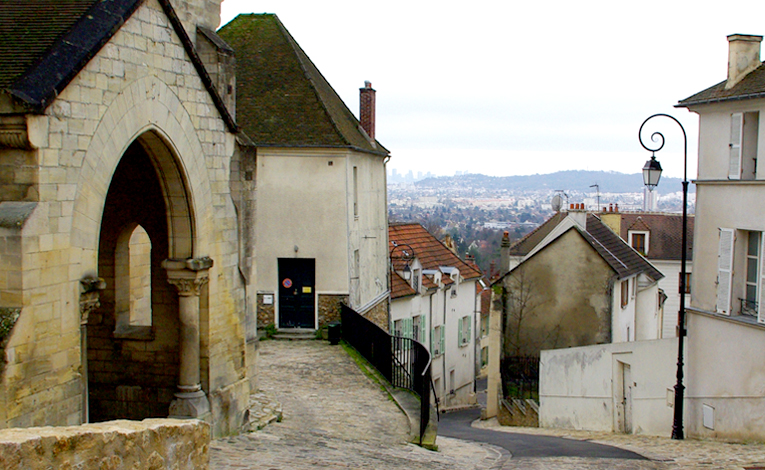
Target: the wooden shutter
(725, 270)
(736, 136)
(760, 297)
(469, 329)
(441, 348)
(432, 342)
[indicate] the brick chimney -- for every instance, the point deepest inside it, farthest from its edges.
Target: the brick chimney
(743, 57)
(367, 109)
(504, 253)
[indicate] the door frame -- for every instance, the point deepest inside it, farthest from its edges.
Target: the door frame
(277, 294)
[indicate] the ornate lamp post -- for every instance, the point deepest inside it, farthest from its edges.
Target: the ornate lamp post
(405, 254)
(651, 176)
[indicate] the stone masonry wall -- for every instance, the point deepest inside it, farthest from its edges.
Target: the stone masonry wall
(266, 315)
(140, 83)
(379, 315)
(151, 444)
(329, 308)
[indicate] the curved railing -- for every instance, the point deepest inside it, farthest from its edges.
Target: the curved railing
(404, 362)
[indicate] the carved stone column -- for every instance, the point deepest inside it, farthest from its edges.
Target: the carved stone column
(90, 300)
(188, 276)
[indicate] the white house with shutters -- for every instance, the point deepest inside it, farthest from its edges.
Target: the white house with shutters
(433, 300)
(725, 377)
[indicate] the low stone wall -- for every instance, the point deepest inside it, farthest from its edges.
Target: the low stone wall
(149, 444)
(329, 308)
(379, 315)
(265, 311)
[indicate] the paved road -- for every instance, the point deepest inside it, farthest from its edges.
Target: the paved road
(335, 417)
(457, 425)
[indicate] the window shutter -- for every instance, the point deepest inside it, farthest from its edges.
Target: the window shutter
(725, 270)
(736, 136)
(432, 343)
(423, 327)
(760, 297)
(469, 329)
(441, 347)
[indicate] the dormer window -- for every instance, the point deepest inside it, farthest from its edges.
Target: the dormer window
(639, 241)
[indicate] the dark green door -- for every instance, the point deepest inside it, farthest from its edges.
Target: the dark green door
(296, 293)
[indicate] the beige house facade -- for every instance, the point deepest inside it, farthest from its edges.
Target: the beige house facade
(321, 236)
(726, 318)
(123, 282)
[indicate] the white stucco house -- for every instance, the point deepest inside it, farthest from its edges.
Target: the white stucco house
(321, 236)
(726, 319)
(658, 237)
(629, 387)
(433, 300)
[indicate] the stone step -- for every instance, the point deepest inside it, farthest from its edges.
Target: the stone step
(296, 334)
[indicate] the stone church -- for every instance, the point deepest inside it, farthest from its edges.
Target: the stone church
(126, 216)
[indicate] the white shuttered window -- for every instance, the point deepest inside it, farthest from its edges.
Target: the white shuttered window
(725, 270)
(736, 136)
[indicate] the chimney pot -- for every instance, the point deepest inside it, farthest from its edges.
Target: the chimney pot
(743, 57)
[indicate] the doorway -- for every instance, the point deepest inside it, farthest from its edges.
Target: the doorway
(624, 398)
(297, 282)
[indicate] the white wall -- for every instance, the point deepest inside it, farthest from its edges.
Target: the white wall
(579, 387)
(671, 285)
(730, 378)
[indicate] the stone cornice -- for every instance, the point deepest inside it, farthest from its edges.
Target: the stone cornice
(13, 133)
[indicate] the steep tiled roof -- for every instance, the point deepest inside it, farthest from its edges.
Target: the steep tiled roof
(44, 44)
(399, 287)
(282, 98)
(524, 246)
(431, 253)
(616, 252)
(751, 86)
(666, 232)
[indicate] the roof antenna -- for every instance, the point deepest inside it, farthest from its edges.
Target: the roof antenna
(597, 186)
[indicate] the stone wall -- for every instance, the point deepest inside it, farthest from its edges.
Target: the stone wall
(266, 314)
(379, 315)
(150, 444)
(140, 88)
(329, 308)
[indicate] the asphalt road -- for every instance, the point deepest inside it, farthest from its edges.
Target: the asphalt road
(457, 425)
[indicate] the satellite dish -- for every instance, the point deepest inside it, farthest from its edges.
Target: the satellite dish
(557, 203)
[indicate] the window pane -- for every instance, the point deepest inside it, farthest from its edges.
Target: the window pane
(751, 293)
(751, 270)
(754, 244)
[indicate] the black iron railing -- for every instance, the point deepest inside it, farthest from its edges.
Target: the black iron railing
(520, 377)
(405, 363)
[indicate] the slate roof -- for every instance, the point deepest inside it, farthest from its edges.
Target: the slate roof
(621, 257)
(750, 87)
(616, 252)
(431, 253)
(282, 99)
(44, 44)
(666, 232)
(524, 246)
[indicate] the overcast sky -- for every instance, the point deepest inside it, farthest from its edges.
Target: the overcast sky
(509, 87)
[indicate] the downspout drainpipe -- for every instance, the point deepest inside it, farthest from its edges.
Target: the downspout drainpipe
(443, 363)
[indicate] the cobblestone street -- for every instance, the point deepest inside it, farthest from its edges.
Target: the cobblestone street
(336, 417)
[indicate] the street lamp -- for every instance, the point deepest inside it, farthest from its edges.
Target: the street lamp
(651, 175)
(405, 254)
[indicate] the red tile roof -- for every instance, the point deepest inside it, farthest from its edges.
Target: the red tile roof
(431, 253)
(399, 287)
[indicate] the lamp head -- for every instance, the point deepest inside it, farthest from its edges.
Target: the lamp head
(651, 173)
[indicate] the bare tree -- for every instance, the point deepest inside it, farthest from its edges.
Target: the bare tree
(523, 303)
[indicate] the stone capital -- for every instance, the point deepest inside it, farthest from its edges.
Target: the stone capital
(188, 275)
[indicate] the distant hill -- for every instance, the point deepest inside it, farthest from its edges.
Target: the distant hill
(572, 180)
